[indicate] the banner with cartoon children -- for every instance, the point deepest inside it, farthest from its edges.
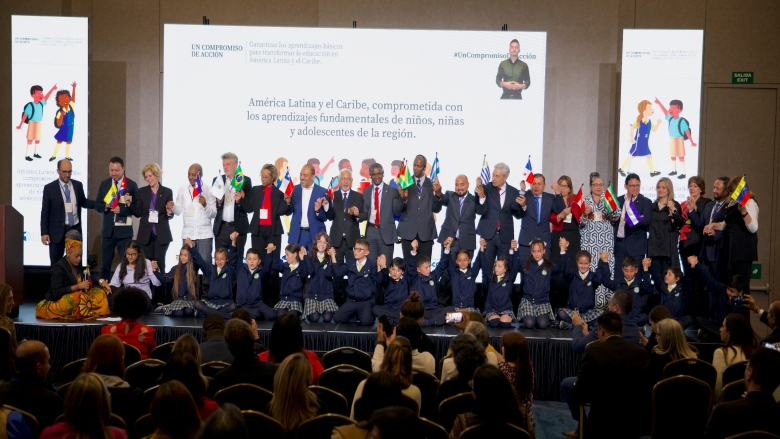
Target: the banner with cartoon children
(660, 108)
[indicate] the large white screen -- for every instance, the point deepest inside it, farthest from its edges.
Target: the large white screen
(663, 65)
(221, 86)
(48, 52)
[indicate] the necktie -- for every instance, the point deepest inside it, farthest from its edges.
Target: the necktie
(583, 275)
(69, 213)
(218, 271)
(419, 185)
(669, 288)
(498, 224)
(498, 279)
(629, 282)
(538, 209)
(715, 210)
(376, 206)
(359, 266)
(345, 196)
(461, 204)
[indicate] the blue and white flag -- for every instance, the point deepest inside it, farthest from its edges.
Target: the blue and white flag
(485, 171)
(633, 217)
(435, 167)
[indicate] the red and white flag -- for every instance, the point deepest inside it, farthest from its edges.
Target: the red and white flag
(577, 205)
(528, 173)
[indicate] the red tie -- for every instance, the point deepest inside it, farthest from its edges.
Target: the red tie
(498, 224)
(376, 205)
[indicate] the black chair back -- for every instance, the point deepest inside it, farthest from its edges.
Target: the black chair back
(212, 368)
(69, 372)
(132, 355)
(144, 426)
(440, 365)
(346, 355)
(116, 421)
(145, 373)
(245, 396)
(733, 391)
(433, 430)
(429, 388)
(335, 401)
(7, 363)
(735, 372)
(29, 419)
(163, 351)
(692, 367)
(149, 394)
(321, 427)
(344, 379)
(504, 431)
(63, 390)
(677, 398)
(754, 435)
(262, 425)
(453, 406)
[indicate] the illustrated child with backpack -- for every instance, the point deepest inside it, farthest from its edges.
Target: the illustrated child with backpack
(679, 132)
(32, 115)
(63, 120)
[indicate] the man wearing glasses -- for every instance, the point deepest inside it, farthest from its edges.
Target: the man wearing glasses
(61, 207)
(632, 240)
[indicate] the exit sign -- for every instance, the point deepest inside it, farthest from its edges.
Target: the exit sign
(742, 77)
(755, 271)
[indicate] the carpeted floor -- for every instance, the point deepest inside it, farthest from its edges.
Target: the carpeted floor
(551, 418)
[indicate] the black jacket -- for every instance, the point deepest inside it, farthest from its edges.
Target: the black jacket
(459, 221)
(53, 209)
(248, 369)
(215, 349)
(344, 224)
(240, 211)
(254, 202)
(757, 411)
(33, 398)
(109, 230)
(62, 279)
(140, 208)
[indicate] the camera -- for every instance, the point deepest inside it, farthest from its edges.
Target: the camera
(737, 300)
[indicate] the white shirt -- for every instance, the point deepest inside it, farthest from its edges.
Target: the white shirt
(502, 194)
(423, 361)
(197, 219)
(371, 208)
(752, 210)
(305, 199)
(449, 371)
(228, 209)
(73, 203)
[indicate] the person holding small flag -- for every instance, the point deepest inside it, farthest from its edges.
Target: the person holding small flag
(117, 229)
(418, 209)
(231, 214)
(308, 204)
(536, 207)
(631, 230)
(740, 248)
(198, 206)
(565, 224)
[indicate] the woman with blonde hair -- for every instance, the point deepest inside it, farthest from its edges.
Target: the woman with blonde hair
(293, 402)
(665, 226)
(397, 361)
(672, 346)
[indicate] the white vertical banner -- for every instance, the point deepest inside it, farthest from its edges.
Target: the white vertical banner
(660, 103)
(49, 78)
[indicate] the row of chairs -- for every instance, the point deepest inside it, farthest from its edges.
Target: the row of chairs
(704, 371)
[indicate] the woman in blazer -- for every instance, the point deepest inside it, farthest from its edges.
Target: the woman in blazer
(154, 205)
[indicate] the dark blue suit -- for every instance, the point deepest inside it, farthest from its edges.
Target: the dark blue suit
(710, 245)
(417, 221)
(117, 230)
(53, 215)
(360, 291)
(316, 219)
(530, 229)
(634, 243)
(579, 342)
(459, 222)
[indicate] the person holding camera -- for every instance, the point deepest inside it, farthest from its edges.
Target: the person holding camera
(724, 299)
(770, 317)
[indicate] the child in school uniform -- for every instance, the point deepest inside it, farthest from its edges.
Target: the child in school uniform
(671, 294)
(498, 304)
(249, 283)
(582, 290)
(362, 277)
(293, 274)
(319, 290)
(463, 277)
(426, 281)
(722, 299)
(220, 276)
(535, 309)
(396, 287)
(184, 278)
(635, 282)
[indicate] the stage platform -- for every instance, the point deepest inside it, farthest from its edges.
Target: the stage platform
(550, 350)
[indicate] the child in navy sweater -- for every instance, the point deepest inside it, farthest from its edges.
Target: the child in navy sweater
(293, 274)
(319, 290)
(535, 309)
(671, 293)
(463, 278)
(498, 304)
(362, 277)
(582, 290)
(396, 289)
(220, 277)
(249, 284)
(426, 281)
(637, 285)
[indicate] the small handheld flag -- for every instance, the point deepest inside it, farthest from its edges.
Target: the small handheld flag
(404, 176)
(198, 189)
(633, 217)
(610, 200)
(238, 179)
(528, 173)
(112, 197)
(435, 167)
(334, 184)
(286, 184)
(218, 187)
(577, 205)
(485, 173)
(741, 194)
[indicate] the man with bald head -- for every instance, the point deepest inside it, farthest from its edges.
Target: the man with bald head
(309, 203)
(28, 391)
(461, 217)
(197, 211)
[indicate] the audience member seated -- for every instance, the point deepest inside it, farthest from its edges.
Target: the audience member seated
(758, 409)
(214, 348)
(612, 360)
(87, 412)
(226, 422)
(287, 339)
(723, 299)
(770, 317)
(395, 423)
(71, 295)
(246, 366)
(475, 316)
(28, 391)
(15, 426)
(494, 403)
(414, 309)
(244, 315)
(293, 402)
(397, 361)
(740, 341)
(468, 355)
(130, 304)
(7, 323)
(174, 412)
(479, 331)
(519, 371)
(621, 303)
(106, 359)
(181, 366)
(657, 314)
(412, 331)
(672, 346)
(189, 344)
(382, 389)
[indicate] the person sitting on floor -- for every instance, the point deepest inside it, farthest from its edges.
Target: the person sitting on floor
(468, 354)
(183, 279)
(130, 304)
(174, 413)
(319, 290)
(220, 277)
(214, 347)
(28, 391)
(71, 295)
(134, 271)
(182, 367)
(287, 339)
(412, 331)
(246, 367)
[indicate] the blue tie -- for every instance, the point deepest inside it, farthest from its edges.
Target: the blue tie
(538, 209)
(461, 204)
(66, 189)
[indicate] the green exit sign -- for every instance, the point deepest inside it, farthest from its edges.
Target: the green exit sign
(755, 271)
(742, 77)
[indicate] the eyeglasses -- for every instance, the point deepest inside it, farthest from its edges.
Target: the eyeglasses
(66, 172)
(633, 186)
(597, 184)
(131, 255)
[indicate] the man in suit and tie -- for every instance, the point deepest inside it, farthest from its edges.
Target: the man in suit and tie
(418, 207)
(381, 205)
(117, 228)
(61, 207)
(537, 206)
(714, 212)
(345, 214)
(309, 203)
(460, 218)
(632, 240)
(231, 215)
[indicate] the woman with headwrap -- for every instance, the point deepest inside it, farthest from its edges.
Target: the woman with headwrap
(72, 296)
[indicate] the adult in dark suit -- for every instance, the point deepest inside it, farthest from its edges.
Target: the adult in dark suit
(214, 348)
(345, 215)
(460, 218)
(632, 241)
(705, 219)
(61, 207)
(690, 245)
(246, 366)
(117, 228)
(29, 391)
(613, 360)
(231, 214)
(497, 205)
(309, 203)
(758, 409)
(417, 209)
(770, 317)
(621, 303)
(154, 205)
(536, 208)
(382, 204)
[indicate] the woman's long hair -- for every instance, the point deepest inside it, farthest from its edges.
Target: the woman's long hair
(740, 334)
(293, 402)
(181, 366)
(140, 263)
(546, 264)
(673, 341)
(189, 344)
(88, 407)
(398, 361)
(286, 338)
(174, 412)
(106, 356)
(314, 249)
(665, 181)
(190, 272)
(516, 353)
